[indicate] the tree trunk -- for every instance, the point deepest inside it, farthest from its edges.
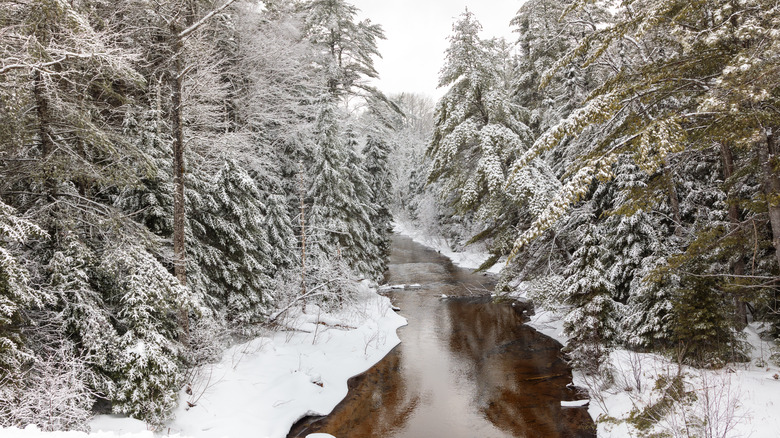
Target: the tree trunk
(179, 212)
(738, 267)
(44, 130)
(769, 156)
(674, 201)
(301, 194)
(179, 248)
(44, 115)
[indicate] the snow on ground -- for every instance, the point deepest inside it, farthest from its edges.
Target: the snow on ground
(33, 432)
(548, 323)
(472, 258)
(261, 388)
(740, 400)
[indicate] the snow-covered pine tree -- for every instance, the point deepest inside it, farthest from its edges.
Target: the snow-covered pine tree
(545, 34)
(147, 371)
(472, 165)
(591, 321)
(702, 322)
(340, 213)
(630, 236)
(279, 88)
(347, 46)
(377, 152)
(368, 255)
(86, 320)
(16, 293)
(479, 133)
(231, 253)
(150, 201)
(635, 246)
(346, 51)
(648, 316)
(63, 91)
(281, 233)
(56, 388)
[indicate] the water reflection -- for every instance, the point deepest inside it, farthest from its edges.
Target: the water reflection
(466, 367)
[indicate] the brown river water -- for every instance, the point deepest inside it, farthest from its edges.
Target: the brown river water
(466, 366)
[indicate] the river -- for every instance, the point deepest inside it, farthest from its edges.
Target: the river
(466, 366)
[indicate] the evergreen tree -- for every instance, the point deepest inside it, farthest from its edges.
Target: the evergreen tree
(590, 324)
(369, 251)
(276, 103)
(640, 107)
(16, 293)
(377, 152)
(630, 236)
(478, 135)
(64, 95)
(151, 200)
(86, 321)
(546, 34)
(231, 248)
(703, 323)
(348, 47)
(147, 371)
(341, 208)
(648, 317)
(281, 234)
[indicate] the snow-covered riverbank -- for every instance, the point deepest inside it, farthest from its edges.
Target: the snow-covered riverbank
(262, 387)
(739, 400)
(472, 258)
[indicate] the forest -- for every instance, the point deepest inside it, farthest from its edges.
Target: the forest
(624, 156)
(176, 173)
(173, 173)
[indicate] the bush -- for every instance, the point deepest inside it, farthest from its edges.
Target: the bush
(52, 394)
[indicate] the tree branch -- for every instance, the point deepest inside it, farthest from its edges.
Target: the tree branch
(311, 293)
(43, 65)
(186, 32)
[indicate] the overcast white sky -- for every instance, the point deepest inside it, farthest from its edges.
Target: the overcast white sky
(417, 32)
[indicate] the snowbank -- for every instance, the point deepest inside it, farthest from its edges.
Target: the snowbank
(261, 388)
(472, 258)
(739, 400)
(32, 431)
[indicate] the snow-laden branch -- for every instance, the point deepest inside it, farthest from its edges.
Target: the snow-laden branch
(310, 294)
(43, 65)
(186, 32)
